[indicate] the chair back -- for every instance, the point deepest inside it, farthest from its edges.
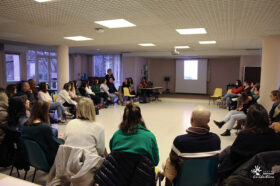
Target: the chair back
(217, 93)
(36, 155)
(198, 172)
(229, 91)
(126, 91)
(54, 97)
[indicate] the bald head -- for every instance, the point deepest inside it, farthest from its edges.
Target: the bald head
(200, 116)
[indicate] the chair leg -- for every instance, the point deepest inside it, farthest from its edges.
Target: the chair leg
(18, 173)
(34, 175)
(11, 170)
(25, 174)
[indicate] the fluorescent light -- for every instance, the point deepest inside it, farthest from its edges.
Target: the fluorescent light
(78, 38)
(189, 31)
(42, 1)
(146, 44)
(115, 23)
(181, 47)
(207, 42)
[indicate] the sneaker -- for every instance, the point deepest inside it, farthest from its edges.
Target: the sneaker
(67, 113)
(219, 124)
(226, 133)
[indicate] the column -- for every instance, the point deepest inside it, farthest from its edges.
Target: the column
(62, 66)
(270, 73)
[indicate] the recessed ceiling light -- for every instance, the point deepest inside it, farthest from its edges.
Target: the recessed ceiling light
(146, 44)
(42, 1)
(189, 31)
(78, 38)
(181, 47)
(207, 42)
(115, 23)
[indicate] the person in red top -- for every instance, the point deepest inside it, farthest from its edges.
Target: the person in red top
(234, 93)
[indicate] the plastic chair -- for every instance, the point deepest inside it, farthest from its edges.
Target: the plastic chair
(127, 94)
(55, 97)
(217, 94)
(198, 172)
(36, 156)
(229, 91)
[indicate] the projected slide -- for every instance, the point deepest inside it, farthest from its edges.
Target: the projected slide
(190, 69)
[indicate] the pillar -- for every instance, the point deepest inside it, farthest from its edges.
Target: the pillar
(62, 66)
(270, 72)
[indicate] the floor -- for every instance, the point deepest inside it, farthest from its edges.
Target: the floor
(166, 119)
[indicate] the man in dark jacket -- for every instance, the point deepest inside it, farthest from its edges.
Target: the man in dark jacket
(113, 90)
(24, 89)
(198, 142)
(109, 75)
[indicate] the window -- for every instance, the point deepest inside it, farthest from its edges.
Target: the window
(42, 66)
(103, 62)
(12, 67)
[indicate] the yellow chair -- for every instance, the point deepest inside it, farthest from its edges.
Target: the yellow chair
(229, 91)
(217, 94)
(54, 97)
(126, 93)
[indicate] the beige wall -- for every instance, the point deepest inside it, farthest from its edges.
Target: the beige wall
(249, 61)
(161, 67)
(79, 64)
(222, 71)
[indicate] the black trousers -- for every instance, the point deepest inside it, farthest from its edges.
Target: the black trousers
(72, 108)
(96, 99)
(103, 95)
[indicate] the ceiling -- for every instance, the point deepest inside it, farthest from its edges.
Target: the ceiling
(237, 25)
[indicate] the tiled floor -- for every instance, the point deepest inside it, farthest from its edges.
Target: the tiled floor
(165, 119)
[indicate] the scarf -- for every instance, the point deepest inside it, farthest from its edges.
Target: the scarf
(199, 130)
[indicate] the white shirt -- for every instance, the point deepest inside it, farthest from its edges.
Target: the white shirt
(45, 96)
(63, 97)
(85, 134)
(104, 88)
(89, 91)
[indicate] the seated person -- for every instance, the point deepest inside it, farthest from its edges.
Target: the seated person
(198, 140)
(24, 89)
(131, 86)
(64, 98)
(247, 87)
(274, 114)
(109, 75)
(126, 83)
(3, 115)
(72, 92)
(133, 136)
(87, 92)
(255, 137)
(18, 112)
(33, 87)
(97, 91)
(113, 90)
(238, 114)
(38, 129)
(255, 91)
(85, 132)
(144, 84)
(104, 88)
(11, 90)
(45, 96)
(234, 93)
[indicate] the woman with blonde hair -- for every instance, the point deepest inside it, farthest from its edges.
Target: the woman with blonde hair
(3, 115)
(85, 132)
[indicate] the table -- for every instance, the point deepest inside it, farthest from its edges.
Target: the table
(11, 181)
(153, 89)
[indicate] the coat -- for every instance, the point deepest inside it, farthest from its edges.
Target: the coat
(75, 166)
(126, 169)
(268, 162)
(3, 119)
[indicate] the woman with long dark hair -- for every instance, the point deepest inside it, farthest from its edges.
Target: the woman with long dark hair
(38, 129)
(96, 89)
(65, 99)
(133, 135)
(256, 137)
(11, 90)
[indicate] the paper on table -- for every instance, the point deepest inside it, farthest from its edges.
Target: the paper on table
(10, 181)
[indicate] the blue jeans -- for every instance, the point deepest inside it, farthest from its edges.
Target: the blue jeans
(58, 107)
(233, 116)
(228, 98)
(113, 97)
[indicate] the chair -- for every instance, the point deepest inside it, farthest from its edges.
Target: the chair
(217, 94)
(36, 156)
(127, 94)
(229, 91)
(54, 97)
(198, 172)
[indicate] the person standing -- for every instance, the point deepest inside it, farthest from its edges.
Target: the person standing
(109, 75)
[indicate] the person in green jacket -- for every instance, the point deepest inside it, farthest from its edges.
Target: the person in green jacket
(133, 136)
(100, 93)
(38, 129)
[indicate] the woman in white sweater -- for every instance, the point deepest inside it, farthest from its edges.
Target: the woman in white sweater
(44, 95)
(104, 88)
(64, 98)
(85, 132)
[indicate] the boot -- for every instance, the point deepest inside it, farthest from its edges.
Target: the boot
(219, 124)
(226, 133)
(237, 127)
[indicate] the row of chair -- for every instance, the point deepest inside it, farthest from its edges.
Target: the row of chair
(218, 93)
